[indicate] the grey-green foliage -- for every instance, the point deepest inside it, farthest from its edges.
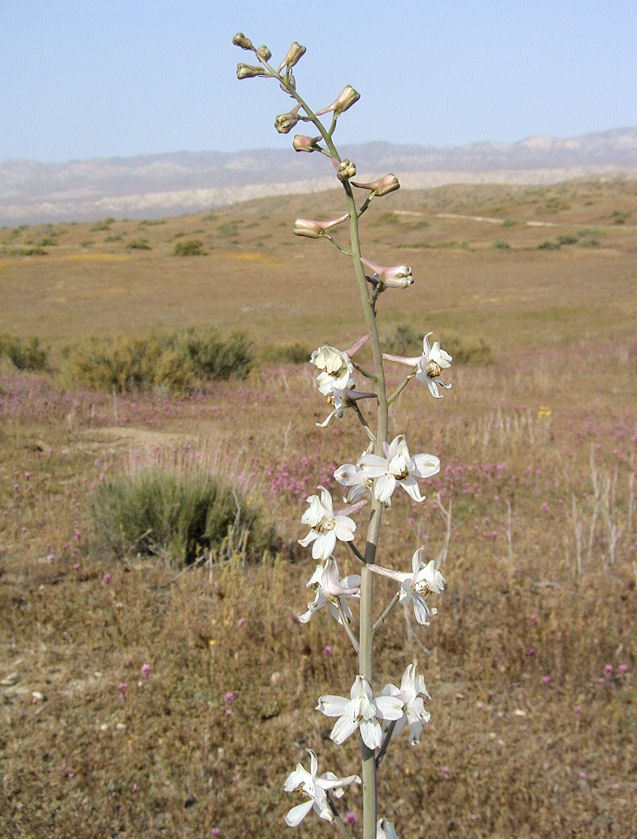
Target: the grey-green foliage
(178, 516)
(24, 353)
(172, 362)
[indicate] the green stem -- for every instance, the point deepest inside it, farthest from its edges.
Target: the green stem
(387, 611)
(366, 633)
(346, 626)
(401, 387)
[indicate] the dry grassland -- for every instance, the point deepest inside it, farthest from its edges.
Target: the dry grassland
(531, 659)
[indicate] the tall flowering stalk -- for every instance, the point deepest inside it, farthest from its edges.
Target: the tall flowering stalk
(375, 717)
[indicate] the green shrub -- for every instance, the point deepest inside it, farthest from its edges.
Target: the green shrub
(295, 353)
(465, 349)
(174, 363)
(179, 516)
(24, 353)
(138, 245)
(213, 357)
(189, 247)
(567, 240)
(549, 245)
(501, 244)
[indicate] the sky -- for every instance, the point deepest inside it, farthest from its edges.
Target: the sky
(102, 78)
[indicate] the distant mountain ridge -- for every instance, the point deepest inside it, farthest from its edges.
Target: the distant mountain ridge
(180, 182)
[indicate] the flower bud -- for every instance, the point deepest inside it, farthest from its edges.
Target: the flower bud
(295, 52)
(312, 229)
(347, 97)
(303, 143)
(345, 170)
(264, 53)
(290, 82)
(240, 40)
(390, 276)
(284, 123)
(248, 71)
(382, 186)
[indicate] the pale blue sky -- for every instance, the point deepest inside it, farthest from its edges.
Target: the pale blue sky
(91, 78)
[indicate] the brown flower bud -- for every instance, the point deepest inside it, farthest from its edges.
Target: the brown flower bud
(248, 71)
(389, 276)
(346, 170)
(240, 40)
(264, 53)
(295, 52)
(312, 229)
(347, 97)
(284, 123)
(382, 186)
(303, 143)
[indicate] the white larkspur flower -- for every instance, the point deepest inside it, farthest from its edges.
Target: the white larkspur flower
(428, 366)
(351, 475)
(424, 579)
(315, 788)
(341, 400)
(327, 526)
(398, 467)
(412, 689)
(362, 710)
(336, 368)
(332, 591)
(385, 830)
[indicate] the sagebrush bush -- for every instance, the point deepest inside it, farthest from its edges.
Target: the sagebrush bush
(295, 353)
(179, 516)
(24, 353)
(189, 247)
(465, 349)
(173, 362)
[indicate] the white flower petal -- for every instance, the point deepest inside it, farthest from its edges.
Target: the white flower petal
(384, 487)
(390, 707)
(332, 706)
(426, 465)
(296, 815)
(410, 485)
(371, 733)
(343, 728)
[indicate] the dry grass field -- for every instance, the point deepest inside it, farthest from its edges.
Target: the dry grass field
(140, 698)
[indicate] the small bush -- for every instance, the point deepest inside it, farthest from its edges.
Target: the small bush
(178, 516)
(189, 247)
(25, 354)
(549, 245)
(620, 217)
(174, 363)
(567, 240)
(295, 353)
(501, 244)
(138, 245)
